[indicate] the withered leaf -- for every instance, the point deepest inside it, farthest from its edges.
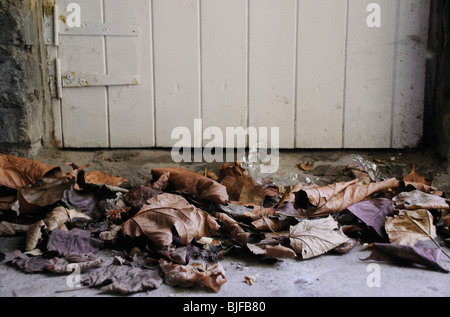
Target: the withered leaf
(29, 264)
(231, 226)
(98, 177)
(17, 172)
(46, 191)
(415, 177)
(274, 223)
(410, 226)
(239, 211)
(241, 187)
(346, 246)
(123, 280)
(11, 229)
(162, 212)
(280, 251)
(90, 200)
(409, 186)
(138, 195)
(373, 213)
(56, 218)
(34, 235)
(194, 274)
(73, 241)
(417, 199)
(336, 197)
(310, 238)
(84, 262)
(186, 181)
(417, 255)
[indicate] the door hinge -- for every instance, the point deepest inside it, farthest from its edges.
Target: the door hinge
(54, 74)
(55, 27)
(79, 79)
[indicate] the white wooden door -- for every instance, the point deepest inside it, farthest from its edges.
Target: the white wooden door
(324, 72)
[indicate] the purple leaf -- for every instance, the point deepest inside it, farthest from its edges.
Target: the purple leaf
(373, 213)
(417, 255)
(73, 241)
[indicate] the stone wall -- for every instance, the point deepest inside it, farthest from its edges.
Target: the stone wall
(24, 99)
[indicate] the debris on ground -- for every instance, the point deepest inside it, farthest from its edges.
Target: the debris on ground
(177, 226)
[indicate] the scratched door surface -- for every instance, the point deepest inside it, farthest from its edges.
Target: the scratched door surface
(329, 73)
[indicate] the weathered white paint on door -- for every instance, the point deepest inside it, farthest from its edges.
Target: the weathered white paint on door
(315, 69)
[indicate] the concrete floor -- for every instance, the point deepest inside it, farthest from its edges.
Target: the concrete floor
(329, 275)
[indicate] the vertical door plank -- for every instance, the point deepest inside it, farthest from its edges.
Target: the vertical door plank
(320, 73)
(177, 76)
(409, 96)
(272, 28)
(130, 107)
(84, 110)
(369, 84)
(224, 64)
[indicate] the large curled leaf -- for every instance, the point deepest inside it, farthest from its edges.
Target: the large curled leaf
(46, 191)
(17, 172)
(338, 196)
(186, 181)
(163, 212)
(310, 238)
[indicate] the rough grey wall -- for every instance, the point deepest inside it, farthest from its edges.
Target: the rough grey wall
(24, 100)
(437, 101)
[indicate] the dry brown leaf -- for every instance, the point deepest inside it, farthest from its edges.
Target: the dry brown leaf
(98, 177)
(279, 251)
(34, 235)
(241, 187)
(162, 212)
(232, 227)
(410, 226)
(56, 218)
(211, 276)
(310, 238)
(415, 177)
(17, 172)
(11, 229)
(417, 199)
(190, 182)
(46, 191)
(336, 197)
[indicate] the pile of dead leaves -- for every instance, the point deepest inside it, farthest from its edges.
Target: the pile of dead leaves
(176, 227)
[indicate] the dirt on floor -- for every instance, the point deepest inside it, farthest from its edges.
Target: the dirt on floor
(136, 164)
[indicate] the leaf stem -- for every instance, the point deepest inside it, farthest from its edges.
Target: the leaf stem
(424, 231)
